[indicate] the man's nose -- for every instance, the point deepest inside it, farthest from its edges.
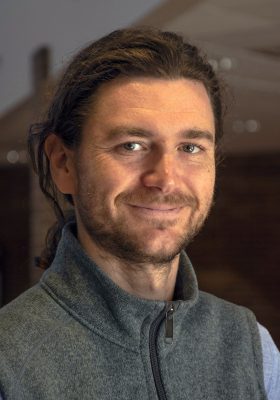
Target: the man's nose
(161, 172)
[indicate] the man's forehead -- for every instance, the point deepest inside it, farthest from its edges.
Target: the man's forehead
(175, 95)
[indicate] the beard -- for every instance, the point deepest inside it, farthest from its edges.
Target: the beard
(122, 239)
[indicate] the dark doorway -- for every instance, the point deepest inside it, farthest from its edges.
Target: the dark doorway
(14, 231)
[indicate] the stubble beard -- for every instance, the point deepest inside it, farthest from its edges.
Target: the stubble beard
(119, 239)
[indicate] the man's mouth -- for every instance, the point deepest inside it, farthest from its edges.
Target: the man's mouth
(164, 208)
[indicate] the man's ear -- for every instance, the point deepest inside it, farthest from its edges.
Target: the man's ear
(62, 165)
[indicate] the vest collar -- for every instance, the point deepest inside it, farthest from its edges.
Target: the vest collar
(86, 292)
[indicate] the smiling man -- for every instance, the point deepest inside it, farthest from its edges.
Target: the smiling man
(130, 141)
(142, 179)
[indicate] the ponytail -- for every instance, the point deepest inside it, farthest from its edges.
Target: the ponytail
(51, 242)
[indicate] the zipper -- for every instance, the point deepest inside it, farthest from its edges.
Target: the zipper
(166, 314)
(169, 322)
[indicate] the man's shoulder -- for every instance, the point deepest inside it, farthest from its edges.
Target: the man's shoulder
(231, 325)
(28, 326)
(31, 302)
(30, 316)
(25, 304)
(217, 304)
(230, 315)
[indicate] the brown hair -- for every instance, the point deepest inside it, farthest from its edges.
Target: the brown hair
(127, 52)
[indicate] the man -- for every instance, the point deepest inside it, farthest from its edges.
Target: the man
(130, 141)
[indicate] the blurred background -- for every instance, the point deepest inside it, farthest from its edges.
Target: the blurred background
(237, 254)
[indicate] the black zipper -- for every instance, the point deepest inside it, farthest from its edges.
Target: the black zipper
(169, 322)
(166, 314)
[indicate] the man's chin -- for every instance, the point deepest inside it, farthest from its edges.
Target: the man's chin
(157, 242)
(153, 258)
(158, 251)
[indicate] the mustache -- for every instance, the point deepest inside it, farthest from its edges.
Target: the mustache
(176, 199)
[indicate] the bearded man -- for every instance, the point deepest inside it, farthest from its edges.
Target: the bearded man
(130, 141)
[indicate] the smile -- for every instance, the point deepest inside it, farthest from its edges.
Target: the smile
(157, 209)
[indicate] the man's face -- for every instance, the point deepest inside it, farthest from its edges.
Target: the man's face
(145, 168)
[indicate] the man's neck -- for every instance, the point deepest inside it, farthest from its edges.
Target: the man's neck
(148, 281)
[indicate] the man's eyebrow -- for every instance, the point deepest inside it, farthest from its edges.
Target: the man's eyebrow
(124, 131)
(198, 134)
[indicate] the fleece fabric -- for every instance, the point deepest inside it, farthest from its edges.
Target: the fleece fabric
(76, 335)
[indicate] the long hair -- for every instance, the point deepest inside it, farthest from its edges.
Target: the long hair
(123, 53)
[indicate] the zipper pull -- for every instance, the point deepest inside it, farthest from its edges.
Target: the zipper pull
(169, 322)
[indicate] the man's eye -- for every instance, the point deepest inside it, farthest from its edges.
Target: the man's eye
(132, 146)
(191, 148)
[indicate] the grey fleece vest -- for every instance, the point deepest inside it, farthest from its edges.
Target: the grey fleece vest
(76, 335)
